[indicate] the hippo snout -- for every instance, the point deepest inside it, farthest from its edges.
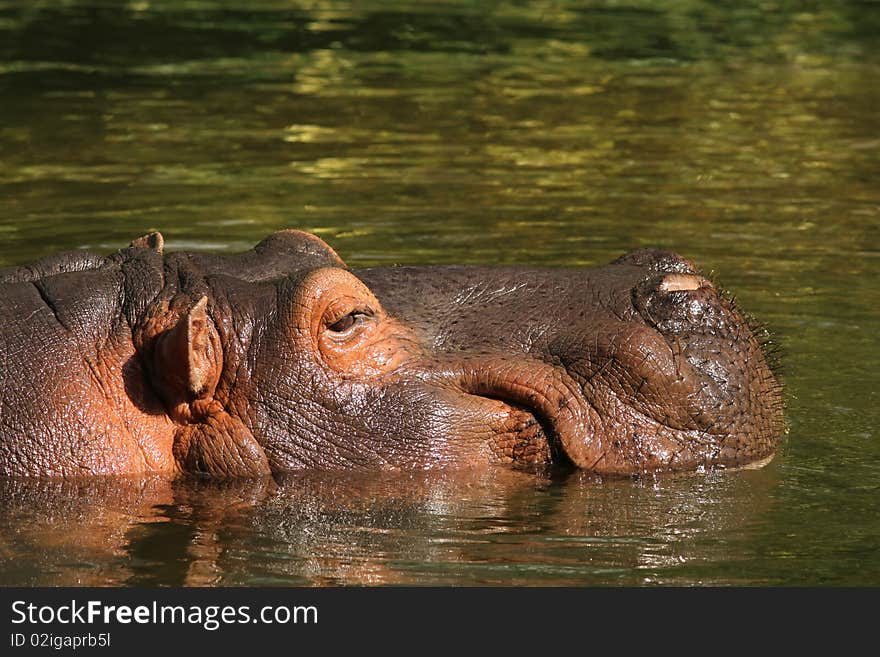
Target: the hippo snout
(679, 302)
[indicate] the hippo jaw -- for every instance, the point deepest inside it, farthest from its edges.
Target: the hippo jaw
(561, 417)
(677, 380)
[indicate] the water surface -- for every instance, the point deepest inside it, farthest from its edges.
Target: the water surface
(743, 135)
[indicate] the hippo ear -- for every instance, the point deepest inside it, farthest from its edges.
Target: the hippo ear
(153, 241)
(189, 356)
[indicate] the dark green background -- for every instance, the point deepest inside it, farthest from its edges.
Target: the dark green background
(741, 134)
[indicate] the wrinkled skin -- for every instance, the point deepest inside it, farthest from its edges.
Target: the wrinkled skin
(282, 359)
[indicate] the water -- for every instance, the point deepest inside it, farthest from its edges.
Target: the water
(743, 135)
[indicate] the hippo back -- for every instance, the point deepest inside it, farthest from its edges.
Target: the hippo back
(69, 384)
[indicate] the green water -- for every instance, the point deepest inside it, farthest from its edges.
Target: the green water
(743, 135)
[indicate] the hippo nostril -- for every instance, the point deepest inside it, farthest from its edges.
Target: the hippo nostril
(682, 283)
(657, 261)
(676, 302)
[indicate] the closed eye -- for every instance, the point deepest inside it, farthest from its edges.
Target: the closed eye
(345, 322)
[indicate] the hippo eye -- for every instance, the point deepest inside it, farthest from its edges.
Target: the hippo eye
(346, 322)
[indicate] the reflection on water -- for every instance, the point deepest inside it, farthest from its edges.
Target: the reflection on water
(487, 527)
(740, 134)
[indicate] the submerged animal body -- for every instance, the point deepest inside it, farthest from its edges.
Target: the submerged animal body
(282, 358)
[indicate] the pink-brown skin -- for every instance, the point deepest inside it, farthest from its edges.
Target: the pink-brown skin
(282, 359)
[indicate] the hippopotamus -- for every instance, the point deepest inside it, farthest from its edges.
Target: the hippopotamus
(283, 359)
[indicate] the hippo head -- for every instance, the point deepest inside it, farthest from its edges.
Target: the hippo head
(282, 358)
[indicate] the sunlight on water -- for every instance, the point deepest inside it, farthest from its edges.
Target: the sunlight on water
(743, 135)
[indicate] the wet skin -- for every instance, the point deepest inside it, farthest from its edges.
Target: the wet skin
(282, 359)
